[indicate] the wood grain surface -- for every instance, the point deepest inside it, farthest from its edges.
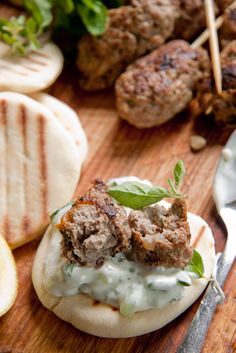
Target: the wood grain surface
(116, 149)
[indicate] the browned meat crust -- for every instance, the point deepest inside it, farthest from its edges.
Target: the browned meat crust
(191, 19)
(228, 29)
(131, 32)
(224, 106)
(223, 4)
(228, 64)
(158, 86)
(94, 227)
(161, 237)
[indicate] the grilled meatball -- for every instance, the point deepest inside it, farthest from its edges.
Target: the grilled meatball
(223, 4)
(228, 29)
(93, 228)
(161, 237)
(158, 86)
(191, 19)
(131, 32)
(224, 106)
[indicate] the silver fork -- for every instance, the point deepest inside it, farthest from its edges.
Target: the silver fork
(224, 193)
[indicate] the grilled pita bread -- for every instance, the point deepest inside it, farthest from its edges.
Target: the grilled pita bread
(31, 73)
(8, 277)
(36, 176)
(100, 319)
(68, 119)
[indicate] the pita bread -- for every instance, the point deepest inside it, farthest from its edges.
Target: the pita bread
(100, 319)
(68, 119)
(36, 176)
(8, 277)
(31, 73)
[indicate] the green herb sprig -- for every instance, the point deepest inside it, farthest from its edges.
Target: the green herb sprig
(73, 16)
(195, 268)
(137, 195)
(196, 265)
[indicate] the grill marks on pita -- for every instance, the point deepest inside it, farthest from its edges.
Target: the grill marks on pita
(43, 166)
(15, 187)
(22, 120)
(23, 66)
(31, 73)
(35, 177)
(36, 59)
(68, 118)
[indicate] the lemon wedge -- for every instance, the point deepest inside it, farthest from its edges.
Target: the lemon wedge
(8, 277)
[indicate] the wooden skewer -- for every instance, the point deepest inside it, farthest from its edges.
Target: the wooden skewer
(214, 45)
(205, 34)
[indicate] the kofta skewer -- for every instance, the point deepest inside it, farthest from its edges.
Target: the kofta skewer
(133, 31)
(160, 85)
(220, 24)
(227, 31)
(222, 106)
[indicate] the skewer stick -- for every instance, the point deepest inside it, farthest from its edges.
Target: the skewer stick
(205, 34)
(214, 45)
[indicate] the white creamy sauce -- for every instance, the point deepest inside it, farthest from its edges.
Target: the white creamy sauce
(124, 284)
(121, 283)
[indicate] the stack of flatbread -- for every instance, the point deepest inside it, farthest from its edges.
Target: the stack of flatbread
(42, 148)
(42, 144)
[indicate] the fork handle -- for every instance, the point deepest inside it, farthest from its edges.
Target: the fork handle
(196, 334)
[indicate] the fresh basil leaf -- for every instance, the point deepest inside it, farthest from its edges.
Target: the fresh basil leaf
(94, 16)
(179, 173)
(67, 6)
(68, 18)
(41, 11)
(196, 265)
(137, 195)
(132, 194)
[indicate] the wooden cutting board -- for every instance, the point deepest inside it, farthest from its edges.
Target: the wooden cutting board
(116, 149)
